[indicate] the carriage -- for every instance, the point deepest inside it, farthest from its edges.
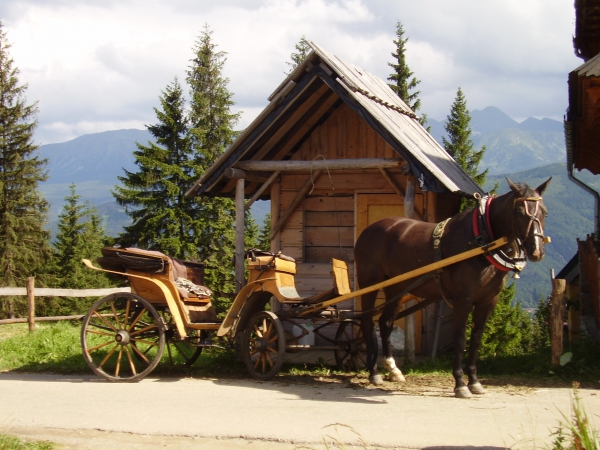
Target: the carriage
(124, 335)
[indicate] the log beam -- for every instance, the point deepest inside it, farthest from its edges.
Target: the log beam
(331, 164)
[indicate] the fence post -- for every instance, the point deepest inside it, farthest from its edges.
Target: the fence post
(31, 302)
(556, 319)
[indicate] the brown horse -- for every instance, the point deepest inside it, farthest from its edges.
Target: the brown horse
(397, 245)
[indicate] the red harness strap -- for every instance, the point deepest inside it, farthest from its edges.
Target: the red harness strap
(477, 231)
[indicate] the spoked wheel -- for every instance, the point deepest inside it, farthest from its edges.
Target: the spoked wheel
(122, 337)
(351, 356)
(180, 353)
(264, 345)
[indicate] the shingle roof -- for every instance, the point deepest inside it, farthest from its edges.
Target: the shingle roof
(372, 99)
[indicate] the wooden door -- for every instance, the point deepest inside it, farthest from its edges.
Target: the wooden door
(369, 209)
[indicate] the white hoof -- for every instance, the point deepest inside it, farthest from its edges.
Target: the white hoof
(396, 375)
(476, 388)
(462, 392)
(377, 380)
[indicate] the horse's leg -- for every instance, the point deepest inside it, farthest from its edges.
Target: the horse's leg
(386, 326)
(481, 314)
(367, 328)
(461, 314)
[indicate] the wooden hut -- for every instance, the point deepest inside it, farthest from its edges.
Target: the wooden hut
(335, 150)
(582, 135)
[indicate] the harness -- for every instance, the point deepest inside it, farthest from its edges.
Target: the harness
(483, 234)
(482, 229)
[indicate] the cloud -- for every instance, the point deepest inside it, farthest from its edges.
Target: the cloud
(100, 64)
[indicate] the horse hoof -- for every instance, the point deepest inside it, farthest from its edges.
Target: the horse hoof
(476, 388)
(396, 375)
(377, 380)
(462, 392)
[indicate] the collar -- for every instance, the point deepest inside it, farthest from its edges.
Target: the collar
(482, 229)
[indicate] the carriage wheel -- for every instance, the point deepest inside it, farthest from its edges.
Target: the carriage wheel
(264, 345)
(122, 337)
(351, 356)
(179, 352)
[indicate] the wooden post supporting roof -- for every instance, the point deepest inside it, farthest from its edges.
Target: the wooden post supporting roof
(240, 279)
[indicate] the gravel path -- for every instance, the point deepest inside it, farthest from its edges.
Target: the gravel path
(86, 412)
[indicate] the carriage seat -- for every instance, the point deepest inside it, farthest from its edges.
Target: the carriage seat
(188, 276)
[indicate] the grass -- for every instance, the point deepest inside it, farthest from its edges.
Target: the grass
(576, 432)
(11, 443)
(55, 348)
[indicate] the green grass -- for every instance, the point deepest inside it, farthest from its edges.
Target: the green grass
(12, 443)
(55, 348)
(577, 431)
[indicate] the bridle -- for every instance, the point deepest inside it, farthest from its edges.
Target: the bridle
(533, 218)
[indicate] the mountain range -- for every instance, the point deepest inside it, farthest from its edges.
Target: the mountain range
(528, 151)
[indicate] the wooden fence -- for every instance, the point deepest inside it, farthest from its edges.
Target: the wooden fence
(31, 292)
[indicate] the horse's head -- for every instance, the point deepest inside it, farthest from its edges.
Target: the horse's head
(529, 215)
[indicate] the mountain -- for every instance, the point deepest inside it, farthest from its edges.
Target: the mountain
(92, 162)
(511, 146)
(570, 217)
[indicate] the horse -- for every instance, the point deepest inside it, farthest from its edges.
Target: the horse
(396, 245)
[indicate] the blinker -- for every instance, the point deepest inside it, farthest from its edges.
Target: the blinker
(547, 240)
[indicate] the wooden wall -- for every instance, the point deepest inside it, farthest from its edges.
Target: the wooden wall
(323, 225)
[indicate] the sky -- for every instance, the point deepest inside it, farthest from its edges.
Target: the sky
(98, 65)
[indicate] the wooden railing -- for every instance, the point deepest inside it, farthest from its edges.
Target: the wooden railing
(31, 292)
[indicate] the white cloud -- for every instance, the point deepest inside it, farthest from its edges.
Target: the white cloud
(102, 64)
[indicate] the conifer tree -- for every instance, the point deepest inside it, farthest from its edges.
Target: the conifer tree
(24, 242)
(154, 196)
(460, 146)
(80, 235)
(402, 79)
(303, 49)
(211, 130)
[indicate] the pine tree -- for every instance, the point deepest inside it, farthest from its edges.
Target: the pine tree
(154, 196)
(509, 330)
(460, 146)
(212, 122)
(303, 49)
(264, 234)
(401, 81)
(24, 242)
(80, 235)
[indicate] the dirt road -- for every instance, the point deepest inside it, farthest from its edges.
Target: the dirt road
(86, 412)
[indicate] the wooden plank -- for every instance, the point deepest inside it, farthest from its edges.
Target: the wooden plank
(293, 252)
(295, 118)
(319, 164)
(329, 218)
(329, 204)
(295, 202)
(31, 303)
(324, 254)
(329, 236)
(240, 277)
(342, 181)
(260, 190)
(317, 270)
(313, 270)
(275, 208)
(556, 319)
(296, 219)
(291, 237)
(298, 134)
(51, 292)
(411, 274)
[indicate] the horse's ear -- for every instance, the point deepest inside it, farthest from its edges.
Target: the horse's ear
(513, 186)
(542, 187)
